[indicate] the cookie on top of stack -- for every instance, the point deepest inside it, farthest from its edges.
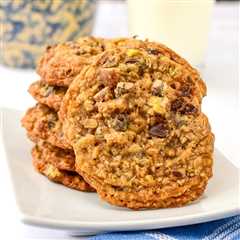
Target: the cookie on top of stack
(123, 117)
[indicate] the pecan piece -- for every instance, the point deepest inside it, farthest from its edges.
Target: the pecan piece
(120, 122)
(108, 77)
(49, 90)
(103, 94)
(157, 88)
(122, 88)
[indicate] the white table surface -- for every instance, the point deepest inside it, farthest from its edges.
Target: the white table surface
(221, 73)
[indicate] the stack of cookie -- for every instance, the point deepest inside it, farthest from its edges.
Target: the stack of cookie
(52, 155)
(123, 117)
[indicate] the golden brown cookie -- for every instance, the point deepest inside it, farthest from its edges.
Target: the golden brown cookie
(42, 122)
(63, 159)
(134, 120)
(68, 178)
(51, 96)
(152, 48)
(61, 63)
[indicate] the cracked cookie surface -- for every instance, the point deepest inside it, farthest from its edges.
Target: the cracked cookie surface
(134, 120)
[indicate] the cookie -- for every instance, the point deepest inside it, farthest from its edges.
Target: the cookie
(152, 48)
(51, 96)
(42, 122)
(67, 178)
(134, 120)
(63, 159)
(61, 63)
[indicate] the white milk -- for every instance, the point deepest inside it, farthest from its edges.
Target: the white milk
(180, 24)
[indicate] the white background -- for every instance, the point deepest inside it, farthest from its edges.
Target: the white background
(221, 73)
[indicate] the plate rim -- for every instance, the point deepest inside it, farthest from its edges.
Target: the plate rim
(128, 224)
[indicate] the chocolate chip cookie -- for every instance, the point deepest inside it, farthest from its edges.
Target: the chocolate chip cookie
(44, 93)
(61, 63)
(42, 122)
(63, 159)
(134, 120)
(68, 178)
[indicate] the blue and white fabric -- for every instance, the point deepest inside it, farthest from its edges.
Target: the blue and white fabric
(225, 229)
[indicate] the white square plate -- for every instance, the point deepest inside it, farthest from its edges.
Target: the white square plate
(51, 205)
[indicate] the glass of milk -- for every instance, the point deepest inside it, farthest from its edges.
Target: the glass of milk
(180, 24)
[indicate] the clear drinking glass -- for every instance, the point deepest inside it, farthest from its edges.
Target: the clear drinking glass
(182, 25)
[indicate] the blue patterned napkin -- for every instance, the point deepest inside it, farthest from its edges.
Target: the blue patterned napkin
(225, 229)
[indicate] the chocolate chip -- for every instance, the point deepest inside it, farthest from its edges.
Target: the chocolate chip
(173, 85)
(102, 47)
(160, 119)
(51, 124)
(68, 72)
(131, 61)
(141, 69)
(177, 174)
(78, 53)
(189, 109)
(159, 130)
(48, 47)
(177, 104)
(174, 143)
(153, 51)
(185, 90)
